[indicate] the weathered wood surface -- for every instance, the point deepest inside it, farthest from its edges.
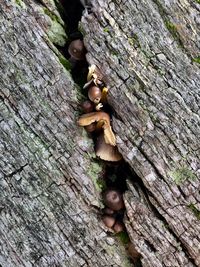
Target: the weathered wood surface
(149, 54)
(48, 193)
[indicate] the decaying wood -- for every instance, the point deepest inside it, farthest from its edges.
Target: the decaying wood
(149, 54)
(48, 175)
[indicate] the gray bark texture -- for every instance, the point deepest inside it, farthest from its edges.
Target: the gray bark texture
(49, 198)
(148, 53)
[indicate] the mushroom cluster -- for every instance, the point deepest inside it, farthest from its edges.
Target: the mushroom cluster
(113, 213)
(96, 119)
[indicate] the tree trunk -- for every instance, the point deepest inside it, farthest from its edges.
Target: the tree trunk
(49, 194)
(50, 198)
(149, 54)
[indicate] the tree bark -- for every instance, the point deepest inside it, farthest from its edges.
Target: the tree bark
(148, 52)
(49, 195)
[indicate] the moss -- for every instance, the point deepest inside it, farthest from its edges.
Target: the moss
(123, 236)
(106, 29)
(173, 30)
(57, 34)
(181, 175)
(94, 172)
(194, 210)
(198, 1)
(196, 59)
(20, 3)
(66, 64)
(134, 41)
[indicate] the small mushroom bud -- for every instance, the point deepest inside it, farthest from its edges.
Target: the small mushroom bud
(133, 253)
(76, 50)
(118, 227)
(113, 199)
(94, 94)
(109, 221)
(90, 128)
(108, 211)
(87, 106)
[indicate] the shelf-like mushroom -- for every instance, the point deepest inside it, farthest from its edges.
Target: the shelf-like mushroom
(87, 119)
(106, 151)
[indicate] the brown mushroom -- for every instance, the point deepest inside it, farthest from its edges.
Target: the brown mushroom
(76, 50)
(94, 94)
(109, 221)
(87, 119)
(113, 199)
(118, 227)
(108, 211)
(87, 106)
(90, 128)
(105, 151)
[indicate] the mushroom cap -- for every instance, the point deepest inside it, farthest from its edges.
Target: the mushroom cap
(106, 151)
(113, 199)
(109, 135)
(108, 211)
(87, 106)
(94, 94)
(87, 119)
(76, 49)
(90, 128)
(108, 220)
(91, 117)
(118, 227)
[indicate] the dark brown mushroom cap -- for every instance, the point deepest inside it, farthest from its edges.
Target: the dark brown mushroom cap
(90, 128)
(109, 221)
(113, 199)
(76, 49)
(87, 106)
(118, 227)
(94, 94)
(108, 211)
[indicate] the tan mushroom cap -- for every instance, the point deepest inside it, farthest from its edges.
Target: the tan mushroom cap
(76, 49)
(105, 151)
(87, 119)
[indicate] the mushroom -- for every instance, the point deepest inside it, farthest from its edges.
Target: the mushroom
(94, 94)
(87, 119)
(105, 151)
(113, 199)
(76, 50)
(87, 106)
(108, 211)
(118, 227)
(108, 220)
(90, 128)
(95, 76)
(104, 94)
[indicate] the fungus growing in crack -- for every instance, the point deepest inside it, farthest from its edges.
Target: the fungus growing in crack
(87, 106)
(108, 220)
(94, 94)
(87, 119)
(94, 76)
(90, 128)
(113, 199)
(76, 50)
(108, 211)
(106, 151)
(118, 227)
